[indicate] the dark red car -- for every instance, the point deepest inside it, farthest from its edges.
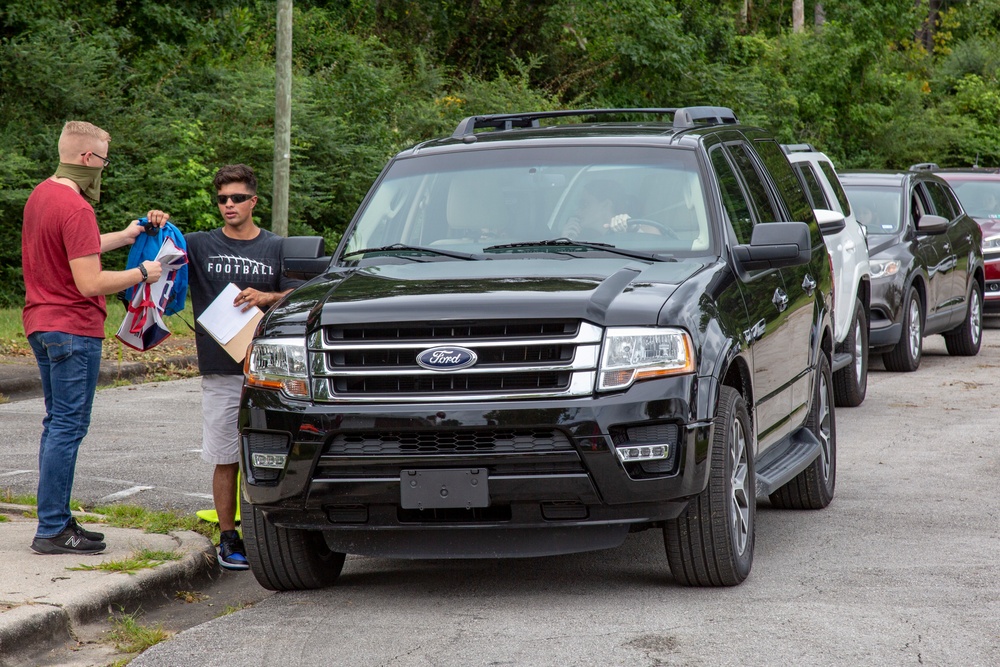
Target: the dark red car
(978, 190)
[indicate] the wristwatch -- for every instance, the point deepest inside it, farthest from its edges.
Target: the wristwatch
(145, 275)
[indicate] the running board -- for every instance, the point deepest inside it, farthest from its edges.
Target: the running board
(841, 360)
(781, 463)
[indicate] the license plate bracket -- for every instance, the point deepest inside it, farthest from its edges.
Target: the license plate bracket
(439, 489)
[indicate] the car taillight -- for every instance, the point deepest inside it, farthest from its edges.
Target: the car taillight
(992, 270)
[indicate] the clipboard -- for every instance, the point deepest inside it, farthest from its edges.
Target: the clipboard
(228, 325)
(239, 344)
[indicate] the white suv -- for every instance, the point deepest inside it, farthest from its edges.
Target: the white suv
(848, 249)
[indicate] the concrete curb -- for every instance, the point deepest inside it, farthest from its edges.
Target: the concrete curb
(24, 378)
(30, 629)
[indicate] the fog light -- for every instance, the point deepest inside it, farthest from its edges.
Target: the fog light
(269, 461)
(632, 453)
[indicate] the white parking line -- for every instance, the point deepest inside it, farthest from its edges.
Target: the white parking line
(124, 494)
(12, 473)
(205, 496)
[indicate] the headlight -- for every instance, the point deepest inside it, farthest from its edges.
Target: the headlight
(881, 268)
(991, 243)
(279, 364)
(638, 353)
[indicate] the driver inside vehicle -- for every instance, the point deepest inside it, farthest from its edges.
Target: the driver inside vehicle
(601, 211)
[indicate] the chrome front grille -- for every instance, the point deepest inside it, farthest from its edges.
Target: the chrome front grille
(516, 359)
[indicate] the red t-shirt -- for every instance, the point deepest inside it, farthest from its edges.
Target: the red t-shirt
(59, 225)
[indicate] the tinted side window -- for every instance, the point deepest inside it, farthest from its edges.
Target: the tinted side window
(942, 205)
(919, 205)
(755, 185)
(789, 186)
(813, 189)
(838, 190)
(737, 207)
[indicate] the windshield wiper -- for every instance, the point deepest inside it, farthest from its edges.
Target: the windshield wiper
(564, 242)
(433, 251)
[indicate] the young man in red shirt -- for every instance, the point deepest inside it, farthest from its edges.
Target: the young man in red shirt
(64, 315)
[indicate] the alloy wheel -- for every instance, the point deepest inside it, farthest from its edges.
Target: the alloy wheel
(742, 494)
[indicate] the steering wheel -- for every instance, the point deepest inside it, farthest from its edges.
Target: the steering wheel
(635, 223)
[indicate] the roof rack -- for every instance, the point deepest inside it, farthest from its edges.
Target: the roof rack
(797, 148)
(683, 118)
(924, 166)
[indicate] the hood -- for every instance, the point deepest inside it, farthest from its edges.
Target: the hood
(602, 291)
(878, 243)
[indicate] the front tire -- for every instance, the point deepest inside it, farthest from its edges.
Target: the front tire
(287, 559)
(813, 488)
(850, 384)
(965, 340)
(711, 543)
(905, 356)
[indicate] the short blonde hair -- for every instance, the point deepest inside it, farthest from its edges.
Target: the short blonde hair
(79, 135)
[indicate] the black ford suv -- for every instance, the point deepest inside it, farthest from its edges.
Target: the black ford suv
(537, 337)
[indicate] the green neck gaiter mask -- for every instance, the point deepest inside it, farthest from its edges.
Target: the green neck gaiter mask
(88, 178)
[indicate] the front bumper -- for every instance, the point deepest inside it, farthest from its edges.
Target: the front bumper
(555, 481)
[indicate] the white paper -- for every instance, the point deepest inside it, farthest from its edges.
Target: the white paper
(222, 319)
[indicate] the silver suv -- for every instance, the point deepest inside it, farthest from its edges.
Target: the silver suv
(848, 249)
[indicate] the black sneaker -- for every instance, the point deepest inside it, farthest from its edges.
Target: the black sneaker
(232, 554)
(91, 535)
(69, 541)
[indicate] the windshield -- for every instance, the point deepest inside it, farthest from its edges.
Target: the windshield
(632, 198)
(980, 199)
(877, 208)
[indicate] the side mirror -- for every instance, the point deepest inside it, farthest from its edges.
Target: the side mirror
(932, 224)
(774, 245)
(303, 246)
(304, 268)
(302, 257)
(830, 222)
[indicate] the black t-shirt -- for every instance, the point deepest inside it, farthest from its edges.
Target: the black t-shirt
(214, 261)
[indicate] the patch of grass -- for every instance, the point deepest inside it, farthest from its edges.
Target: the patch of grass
(143, 559)
(133, 516)
(7, 495)
(119, 663)
(12, 339)
(232, 608)
(3, 518)
(4, 399)
(130, 636)
(162, 522)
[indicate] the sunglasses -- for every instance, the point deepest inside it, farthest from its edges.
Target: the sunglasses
(237, 198)
(103, 159)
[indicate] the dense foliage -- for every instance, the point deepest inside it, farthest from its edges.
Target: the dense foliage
(187, 86)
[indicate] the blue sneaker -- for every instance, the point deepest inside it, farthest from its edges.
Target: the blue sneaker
(232, 554)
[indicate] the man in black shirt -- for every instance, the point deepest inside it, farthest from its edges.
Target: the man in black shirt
(241, 253)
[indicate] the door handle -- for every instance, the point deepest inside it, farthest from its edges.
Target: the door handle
(849, 246)
(780, 300)
(808, 284)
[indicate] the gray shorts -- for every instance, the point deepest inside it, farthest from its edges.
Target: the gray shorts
(220, 405)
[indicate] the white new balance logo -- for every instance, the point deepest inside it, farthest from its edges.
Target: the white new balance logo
(74, 542)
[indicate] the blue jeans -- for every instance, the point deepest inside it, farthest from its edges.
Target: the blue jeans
(69, 366)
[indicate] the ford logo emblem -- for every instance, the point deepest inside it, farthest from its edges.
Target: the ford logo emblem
(446, 358)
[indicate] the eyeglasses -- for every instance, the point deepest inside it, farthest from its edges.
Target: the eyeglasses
(103, 159)
(237, 198)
